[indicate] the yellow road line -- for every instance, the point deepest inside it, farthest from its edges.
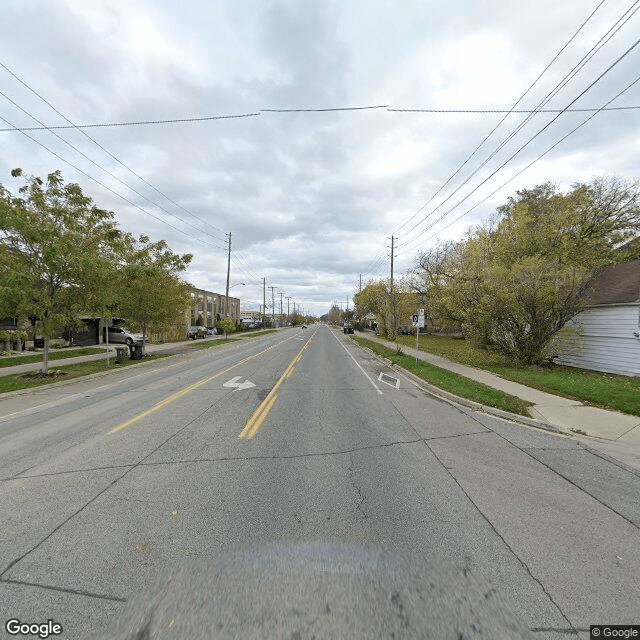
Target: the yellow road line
(254, 423)
(186, 390)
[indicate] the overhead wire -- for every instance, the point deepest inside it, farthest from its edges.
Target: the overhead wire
(86, 135)
(110, 173)
(518, 173)
(613, 29)
(104, 186)
(495, 128)
(479, 146)
(416, 237)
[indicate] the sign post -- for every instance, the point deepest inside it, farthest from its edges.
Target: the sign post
(418, 323)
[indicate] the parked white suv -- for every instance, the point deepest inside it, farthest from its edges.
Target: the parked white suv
(123, 335)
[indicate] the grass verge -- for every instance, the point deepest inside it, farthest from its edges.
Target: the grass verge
(210, 343)
(54, 354)
(67, 372)
(215, 343)
(604, 390)
(449, 381)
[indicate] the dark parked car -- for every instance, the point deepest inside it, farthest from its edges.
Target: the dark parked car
(403, 330)
(347, 328)
(197, 332)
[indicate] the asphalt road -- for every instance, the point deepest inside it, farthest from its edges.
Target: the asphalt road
(294, 486)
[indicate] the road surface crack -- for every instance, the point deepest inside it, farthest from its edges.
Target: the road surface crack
(360, 497)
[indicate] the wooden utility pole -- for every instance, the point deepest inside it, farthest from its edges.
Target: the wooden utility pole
(226, 298)
(264, 301)
(393, 300)
(273, 306)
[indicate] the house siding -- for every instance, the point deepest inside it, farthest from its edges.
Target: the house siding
(602, 338)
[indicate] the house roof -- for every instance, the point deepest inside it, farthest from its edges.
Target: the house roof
(616, 285)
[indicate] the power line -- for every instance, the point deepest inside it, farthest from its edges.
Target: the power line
(413, 240)
(134, 123)
(86, 135)
(80, 127)
(104, 186)
(379, 106)
(509, 111)
(548, 150)
(495, 128)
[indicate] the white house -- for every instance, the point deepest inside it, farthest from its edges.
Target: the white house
(606, 336)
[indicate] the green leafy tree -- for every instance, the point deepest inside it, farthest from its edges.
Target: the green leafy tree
(227, 325)
(57, 254)
(515, 282)
(151, 294)
(375, 298)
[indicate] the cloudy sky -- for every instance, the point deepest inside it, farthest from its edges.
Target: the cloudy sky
(312, 197)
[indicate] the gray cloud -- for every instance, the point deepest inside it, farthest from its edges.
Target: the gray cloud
(310, 198)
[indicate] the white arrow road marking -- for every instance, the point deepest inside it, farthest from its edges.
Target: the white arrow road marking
(235, 382)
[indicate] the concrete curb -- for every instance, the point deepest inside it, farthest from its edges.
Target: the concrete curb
(450, 398)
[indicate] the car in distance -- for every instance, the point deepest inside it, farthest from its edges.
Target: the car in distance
(122, 335)
(196, 332)
(404, 330)
(347, 328)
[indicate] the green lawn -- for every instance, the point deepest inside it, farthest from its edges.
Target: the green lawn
(608, 391)
(54, 354)
(67, 372)
(449, 381)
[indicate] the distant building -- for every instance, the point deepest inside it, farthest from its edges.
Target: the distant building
(212, 307)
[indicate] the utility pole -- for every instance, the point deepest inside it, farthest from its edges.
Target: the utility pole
(226, 298)
(264, 301)
(288, 318)
(273, 307)
(360, 283)
(281, 294)
(393, 301)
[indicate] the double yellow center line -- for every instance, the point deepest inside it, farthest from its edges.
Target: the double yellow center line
(260, 414)
(186, 390)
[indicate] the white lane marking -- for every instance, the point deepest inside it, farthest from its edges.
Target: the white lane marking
(395, 383)
(235, 382)
(373, 384)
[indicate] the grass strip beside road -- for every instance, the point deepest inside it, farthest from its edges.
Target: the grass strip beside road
(54, 354)
(67, 372)
(608, 391)
(215, 343)
(449, 381)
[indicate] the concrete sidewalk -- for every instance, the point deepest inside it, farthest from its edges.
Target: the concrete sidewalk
(54, 364)
(568, 415)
